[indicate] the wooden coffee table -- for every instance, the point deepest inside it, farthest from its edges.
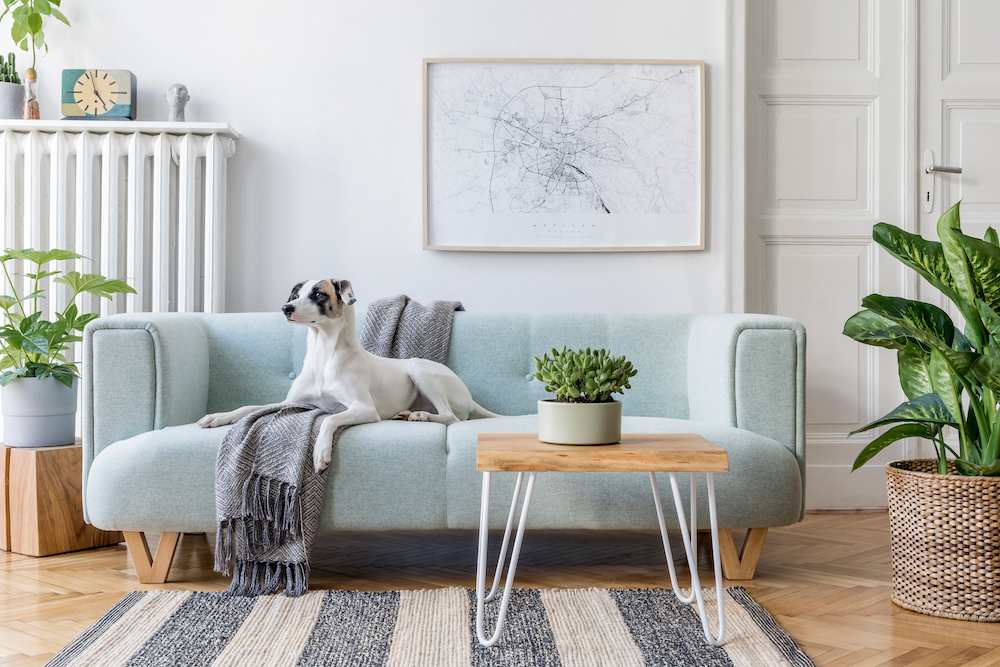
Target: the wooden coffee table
(667, 452)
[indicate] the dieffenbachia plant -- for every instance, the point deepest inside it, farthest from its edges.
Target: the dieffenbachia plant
(31, 346)
(951, 378)
(583, 376)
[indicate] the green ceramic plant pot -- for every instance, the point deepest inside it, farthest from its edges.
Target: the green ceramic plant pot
(579, 423)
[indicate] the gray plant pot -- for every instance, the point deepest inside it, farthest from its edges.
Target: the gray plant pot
(38, 413)
(579, 423)
(11, 100)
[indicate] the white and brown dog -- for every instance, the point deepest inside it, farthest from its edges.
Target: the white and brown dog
(354, 385)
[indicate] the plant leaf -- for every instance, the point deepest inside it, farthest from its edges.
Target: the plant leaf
(34, 22)
(892, 435)
(991, 320)
(991, 236)
(916, 317)
(949, 230)
(914, 371)
(924, 321)
(41, 257)
(975, 470)
(923, 256)
(943, 381)
(59, 15)
(35, 343)
(987, 370)
(927, 409)
(17, 33)
(984, 261)
(93, 283)
(872, 329)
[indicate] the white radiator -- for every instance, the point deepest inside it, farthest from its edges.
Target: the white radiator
(143, 201)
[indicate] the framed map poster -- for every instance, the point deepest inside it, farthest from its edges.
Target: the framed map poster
(564, 155)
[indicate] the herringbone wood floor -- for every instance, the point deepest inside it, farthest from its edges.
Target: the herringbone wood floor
(826, 581)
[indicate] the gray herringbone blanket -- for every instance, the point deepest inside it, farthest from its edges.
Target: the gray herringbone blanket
(403, 329)
(268, 497)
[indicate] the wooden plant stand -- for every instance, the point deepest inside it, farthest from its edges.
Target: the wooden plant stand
(42, 505)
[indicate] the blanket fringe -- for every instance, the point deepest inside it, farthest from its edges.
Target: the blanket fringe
(252, 578)
(271, 513)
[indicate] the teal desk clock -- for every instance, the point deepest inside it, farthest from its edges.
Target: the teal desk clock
(96, 94)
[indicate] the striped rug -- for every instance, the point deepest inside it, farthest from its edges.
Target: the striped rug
(434, 628)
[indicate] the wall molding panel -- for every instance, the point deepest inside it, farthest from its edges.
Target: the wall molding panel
(825, 83)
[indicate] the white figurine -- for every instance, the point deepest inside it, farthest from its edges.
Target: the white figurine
(176, 97)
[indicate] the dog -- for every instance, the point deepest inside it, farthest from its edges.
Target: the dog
(339, 376)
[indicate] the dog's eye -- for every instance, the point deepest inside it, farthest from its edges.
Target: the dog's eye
(318, 295)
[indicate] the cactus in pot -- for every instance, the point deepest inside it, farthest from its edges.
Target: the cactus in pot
(11, 90)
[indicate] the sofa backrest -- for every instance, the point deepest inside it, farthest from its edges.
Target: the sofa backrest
(253, 357)
(252, 360)
(493, 354)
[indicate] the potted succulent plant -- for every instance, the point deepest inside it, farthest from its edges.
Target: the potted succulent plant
(944, 512)
(38, 393)
(11, 90)
(29, 17)
(583, 411)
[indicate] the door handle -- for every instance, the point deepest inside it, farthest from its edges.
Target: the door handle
(946, 170)
(927, 194)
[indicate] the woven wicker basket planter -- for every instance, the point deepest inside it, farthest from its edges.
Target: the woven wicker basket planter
(945, 541)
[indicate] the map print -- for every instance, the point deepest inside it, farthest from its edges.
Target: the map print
(564, 154)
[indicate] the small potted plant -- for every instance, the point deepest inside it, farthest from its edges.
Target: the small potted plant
(943, 511)
(11, 90)
(29, 17)
(38, 393)
(583, 411)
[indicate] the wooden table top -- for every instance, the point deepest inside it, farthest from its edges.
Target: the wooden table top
(657, 452)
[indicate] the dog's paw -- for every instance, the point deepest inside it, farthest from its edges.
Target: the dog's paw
(418, 416)
(217, 419)
(404, 415)
(322, 454)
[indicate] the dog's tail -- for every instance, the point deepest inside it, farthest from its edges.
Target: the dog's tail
(479, 412)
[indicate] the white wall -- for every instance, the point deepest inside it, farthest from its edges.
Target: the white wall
(326, 182)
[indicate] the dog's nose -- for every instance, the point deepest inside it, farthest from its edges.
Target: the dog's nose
(288, 309)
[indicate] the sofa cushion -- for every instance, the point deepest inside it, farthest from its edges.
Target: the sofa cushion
(762, 488)
(388, 475)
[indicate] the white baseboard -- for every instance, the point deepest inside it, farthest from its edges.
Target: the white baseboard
(837, 486)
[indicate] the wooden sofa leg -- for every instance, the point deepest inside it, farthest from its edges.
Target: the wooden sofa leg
(742, 565)
(151, 570)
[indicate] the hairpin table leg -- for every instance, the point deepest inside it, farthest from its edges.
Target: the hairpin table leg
(691, 550)
(484, 516)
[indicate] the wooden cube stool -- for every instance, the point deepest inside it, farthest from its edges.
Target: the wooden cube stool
(42, 505)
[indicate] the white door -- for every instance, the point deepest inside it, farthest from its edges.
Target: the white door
(826, 160)
(959, 120)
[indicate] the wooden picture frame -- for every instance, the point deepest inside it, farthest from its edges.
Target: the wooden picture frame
(547, 155)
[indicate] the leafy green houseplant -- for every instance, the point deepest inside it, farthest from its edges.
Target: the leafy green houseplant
(31, 346)
(951, 378)
(29, 17)
(38, 396)
(583, 412)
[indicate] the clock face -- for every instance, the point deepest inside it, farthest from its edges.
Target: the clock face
(96, 92)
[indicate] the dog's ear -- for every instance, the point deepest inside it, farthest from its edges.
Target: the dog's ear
(295, 291)
(344, 291)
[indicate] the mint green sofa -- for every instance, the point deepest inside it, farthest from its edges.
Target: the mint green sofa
(739, 380)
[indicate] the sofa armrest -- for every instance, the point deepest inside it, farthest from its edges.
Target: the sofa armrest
(749, 371)
(141, 372)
